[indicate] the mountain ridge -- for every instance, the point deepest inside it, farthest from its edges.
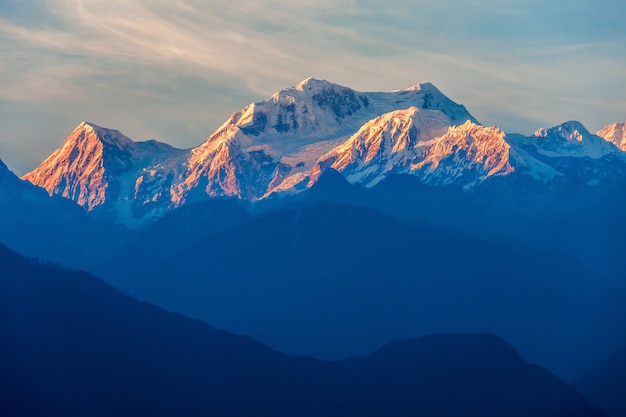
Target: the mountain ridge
(280, 146)
(329, 280)
(74, 346)
(89, 165)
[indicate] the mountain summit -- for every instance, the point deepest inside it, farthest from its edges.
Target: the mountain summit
(283, 144)
(94, 165)
(84, 168)
(615, 133)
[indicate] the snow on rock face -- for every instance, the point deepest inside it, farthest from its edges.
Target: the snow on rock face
(77, 170)
(571, 139)
(384, 145)
(95, 165)
(615, 133)
(312, 109)
(284, 143)
(267, 146)
(317, 109)
(422, 143)
(226, 165)
(464, 155)
(271, 145)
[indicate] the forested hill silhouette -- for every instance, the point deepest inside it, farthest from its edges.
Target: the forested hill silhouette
(606, 385)
(333, 281)
(53, 228)
(71, 345)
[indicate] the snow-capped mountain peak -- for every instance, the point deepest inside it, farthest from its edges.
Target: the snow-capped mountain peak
(312, 108)
(317, 109)
(465, 155)
(571, 139)
(283, 144)
(90, 132)
(572, 130)
(421, 142)
(91, 165)
(312, 84)
(282, 137)
(384, 144)
(614, 133)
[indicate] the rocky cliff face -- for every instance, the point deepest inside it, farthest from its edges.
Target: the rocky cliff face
(614, 133)
(283, 144)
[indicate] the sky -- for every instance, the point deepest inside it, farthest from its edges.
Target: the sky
(174, 70)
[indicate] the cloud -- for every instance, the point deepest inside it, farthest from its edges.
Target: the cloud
(175, 69)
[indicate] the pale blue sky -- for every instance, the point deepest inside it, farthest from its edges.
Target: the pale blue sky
(174, 70)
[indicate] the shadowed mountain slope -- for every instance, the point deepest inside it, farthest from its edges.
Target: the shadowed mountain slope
(606, 385)
(52, 228)
(332, 281)
(73, 346)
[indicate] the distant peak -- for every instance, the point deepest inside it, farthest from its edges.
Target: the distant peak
(612, 128)
(84, 125)
(419, 87)
(313, 84)
(472, 125)
(89, 128)
(308, 80)
(615, 125)
(614, 133)
(89, 132)
(574, 125)
(571, 130)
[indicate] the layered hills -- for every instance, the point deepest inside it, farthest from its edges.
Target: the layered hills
(322, 221)
(73, 346)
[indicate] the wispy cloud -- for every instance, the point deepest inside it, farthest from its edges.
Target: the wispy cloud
(175, 69)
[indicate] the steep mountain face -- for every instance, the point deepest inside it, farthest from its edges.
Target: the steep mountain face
(269, 146)
(384, 145)
(571, 139)
(615, 133)
(73, 346)
(465, 155)
(281, 146)
(317, 109)
(97, 166)
(420, 143)
(570, 155)
(411, 142)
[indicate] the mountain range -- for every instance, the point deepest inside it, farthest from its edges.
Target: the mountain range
(322, 221)
(281, 146)
(73, 346)
(332, 281)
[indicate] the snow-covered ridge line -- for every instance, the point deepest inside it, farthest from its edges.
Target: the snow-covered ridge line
(283, 144)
